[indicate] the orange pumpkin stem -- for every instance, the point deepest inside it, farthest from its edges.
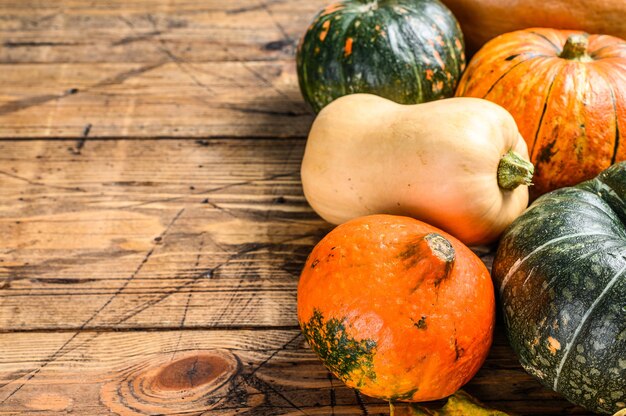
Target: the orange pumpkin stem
(514, 170)
(575, 47)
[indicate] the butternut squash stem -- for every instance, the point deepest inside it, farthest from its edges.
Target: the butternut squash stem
(514, 171)
(575, 47)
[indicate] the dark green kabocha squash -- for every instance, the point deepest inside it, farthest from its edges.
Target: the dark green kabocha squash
(561, 273)
(409, 51)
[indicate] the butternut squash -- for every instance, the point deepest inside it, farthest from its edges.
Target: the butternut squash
(459, 164)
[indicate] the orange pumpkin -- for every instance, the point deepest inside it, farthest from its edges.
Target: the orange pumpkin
(396, 308)
(567, 93)
(482, 20)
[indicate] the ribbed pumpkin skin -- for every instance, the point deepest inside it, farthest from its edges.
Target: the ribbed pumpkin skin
(396, 308)
(572, 114)
(561, 273)
(409, 51)
(483, 20)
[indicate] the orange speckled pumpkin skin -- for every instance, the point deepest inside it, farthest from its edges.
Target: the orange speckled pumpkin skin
(396, 308)
(571, 113)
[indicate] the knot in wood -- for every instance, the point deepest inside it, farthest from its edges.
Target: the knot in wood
(163, 385)
(191, 372)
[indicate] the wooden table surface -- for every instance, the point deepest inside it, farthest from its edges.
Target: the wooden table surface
(152, 220)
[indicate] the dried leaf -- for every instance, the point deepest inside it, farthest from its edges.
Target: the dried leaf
(459, 404)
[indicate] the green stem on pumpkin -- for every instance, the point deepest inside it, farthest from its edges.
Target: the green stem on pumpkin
(514, 170)
(575, 48)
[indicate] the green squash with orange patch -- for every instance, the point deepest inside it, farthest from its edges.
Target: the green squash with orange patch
(409, 51)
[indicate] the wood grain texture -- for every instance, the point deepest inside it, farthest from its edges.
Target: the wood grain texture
(234, 99)
(143, 275)
(265, 372)
(182, 236)
(152, 234)
(152, 68)
(137, 31)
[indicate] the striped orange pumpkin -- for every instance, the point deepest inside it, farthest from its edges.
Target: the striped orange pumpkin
(567, 93)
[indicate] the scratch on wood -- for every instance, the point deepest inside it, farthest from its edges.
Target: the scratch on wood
(278, 350)
(288, 113)
(277, 25)
(215, 189)
(259, 76)
(249, 378)
(76, 150)
(251, 8)
(181, 326)
(28, 102)
(184, 318)
(35, 183)
(59, 352)
(162, 47)
(267, 386)
(126, 75)
(135, 38)
(204, 274)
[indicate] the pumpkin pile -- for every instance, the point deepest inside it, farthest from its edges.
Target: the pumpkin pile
(416, 157)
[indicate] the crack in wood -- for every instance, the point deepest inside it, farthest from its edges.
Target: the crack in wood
(359, 400)
(332, 399)
(11, 44)
(199, 328)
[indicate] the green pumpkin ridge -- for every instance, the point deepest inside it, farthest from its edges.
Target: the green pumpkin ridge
(343, 355)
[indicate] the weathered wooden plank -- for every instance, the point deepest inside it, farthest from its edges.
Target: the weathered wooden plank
(191, 68)
(265, 372)
(149, 234)
(139, 31)
(154, 99)
(152, 234)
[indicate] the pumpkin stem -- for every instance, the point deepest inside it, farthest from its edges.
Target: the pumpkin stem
(575, 47)
(514, 171)
(392, 409)
(440, 247)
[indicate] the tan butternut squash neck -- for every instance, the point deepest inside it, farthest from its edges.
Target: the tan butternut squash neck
(514, 170)
(575, 48)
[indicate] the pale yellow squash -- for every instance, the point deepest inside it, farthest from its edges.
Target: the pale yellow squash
(459, 164)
